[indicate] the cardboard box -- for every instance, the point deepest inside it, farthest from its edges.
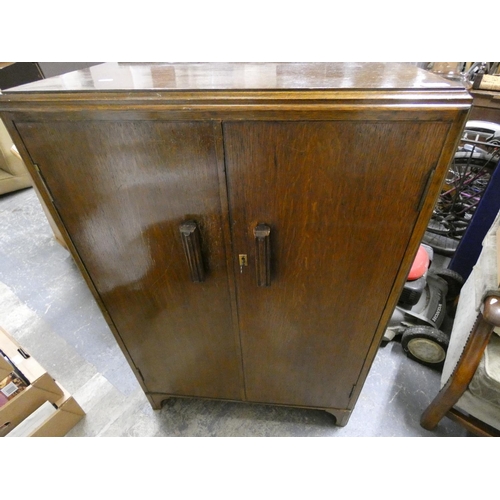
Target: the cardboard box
(68, 414)
(42, 386)
(5, 367)
(57, 424)
(11, 386)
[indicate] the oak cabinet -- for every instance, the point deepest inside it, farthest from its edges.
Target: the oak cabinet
(246, 229)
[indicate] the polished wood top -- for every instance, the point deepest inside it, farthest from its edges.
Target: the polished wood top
(241, 76)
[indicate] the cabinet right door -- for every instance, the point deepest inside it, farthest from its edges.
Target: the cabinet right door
(341, 201)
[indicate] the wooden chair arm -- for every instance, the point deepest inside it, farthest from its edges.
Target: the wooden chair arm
(491, 311)
(466, 366)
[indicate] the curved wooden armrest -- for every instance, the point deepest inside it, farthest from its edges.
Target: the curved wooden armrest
(491, 311)
(466, 366)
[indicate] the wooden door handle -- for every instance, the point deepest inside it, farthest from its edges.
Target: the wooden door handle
(191, 241)
(262, 234)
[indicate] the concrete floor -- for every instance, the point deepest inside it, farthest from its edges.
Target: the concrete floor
(46, 306)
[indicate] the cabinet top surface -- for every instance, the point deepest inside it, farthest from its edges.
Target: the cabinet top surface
(117, 77)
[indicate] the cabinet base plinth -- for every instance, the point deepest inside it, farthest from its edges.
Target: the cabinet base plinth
(341, 416)
(158, 400)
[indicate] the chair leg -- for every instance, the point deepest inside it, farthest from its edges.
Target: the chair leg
(461, 376)
(472, 424)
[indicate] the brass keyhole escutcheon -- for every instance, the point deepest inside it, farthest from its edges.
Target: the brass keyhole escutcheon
(243, 259)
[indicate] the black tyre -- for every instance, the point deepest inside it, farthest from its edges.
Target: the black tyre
(426, 345)
(454, 280)
(440, 243)
(467, 179)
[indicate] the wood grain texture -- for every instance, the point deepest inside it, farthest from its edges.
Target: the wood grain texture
(485, 106)
(341, 201)
(262, 234)
(190, 235)
(46, 200)
(448, 149)
(242, 91)
(335, 158)
(122, 189)
(241, 76)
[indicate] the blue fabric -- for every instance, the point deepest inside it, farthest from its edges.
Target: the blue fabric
(470, 245)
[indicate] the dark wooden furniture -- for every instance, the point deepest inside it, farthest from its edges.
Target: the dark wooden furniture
(485, 105)
(443, 404)
(471, 378)
(245, 228)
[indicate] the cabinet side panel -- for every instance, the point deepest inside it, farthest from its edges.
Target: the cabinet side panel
(122, 189)
(341, 200)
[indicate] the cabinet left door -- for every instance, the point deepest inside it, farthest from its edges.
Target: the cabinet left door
(122, 190)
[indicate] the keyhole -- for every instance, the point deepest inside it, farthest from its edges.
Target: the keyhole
(243, 261)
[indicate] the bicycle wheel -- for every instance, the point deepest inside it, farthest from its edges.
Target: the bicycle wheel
(467, 180)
